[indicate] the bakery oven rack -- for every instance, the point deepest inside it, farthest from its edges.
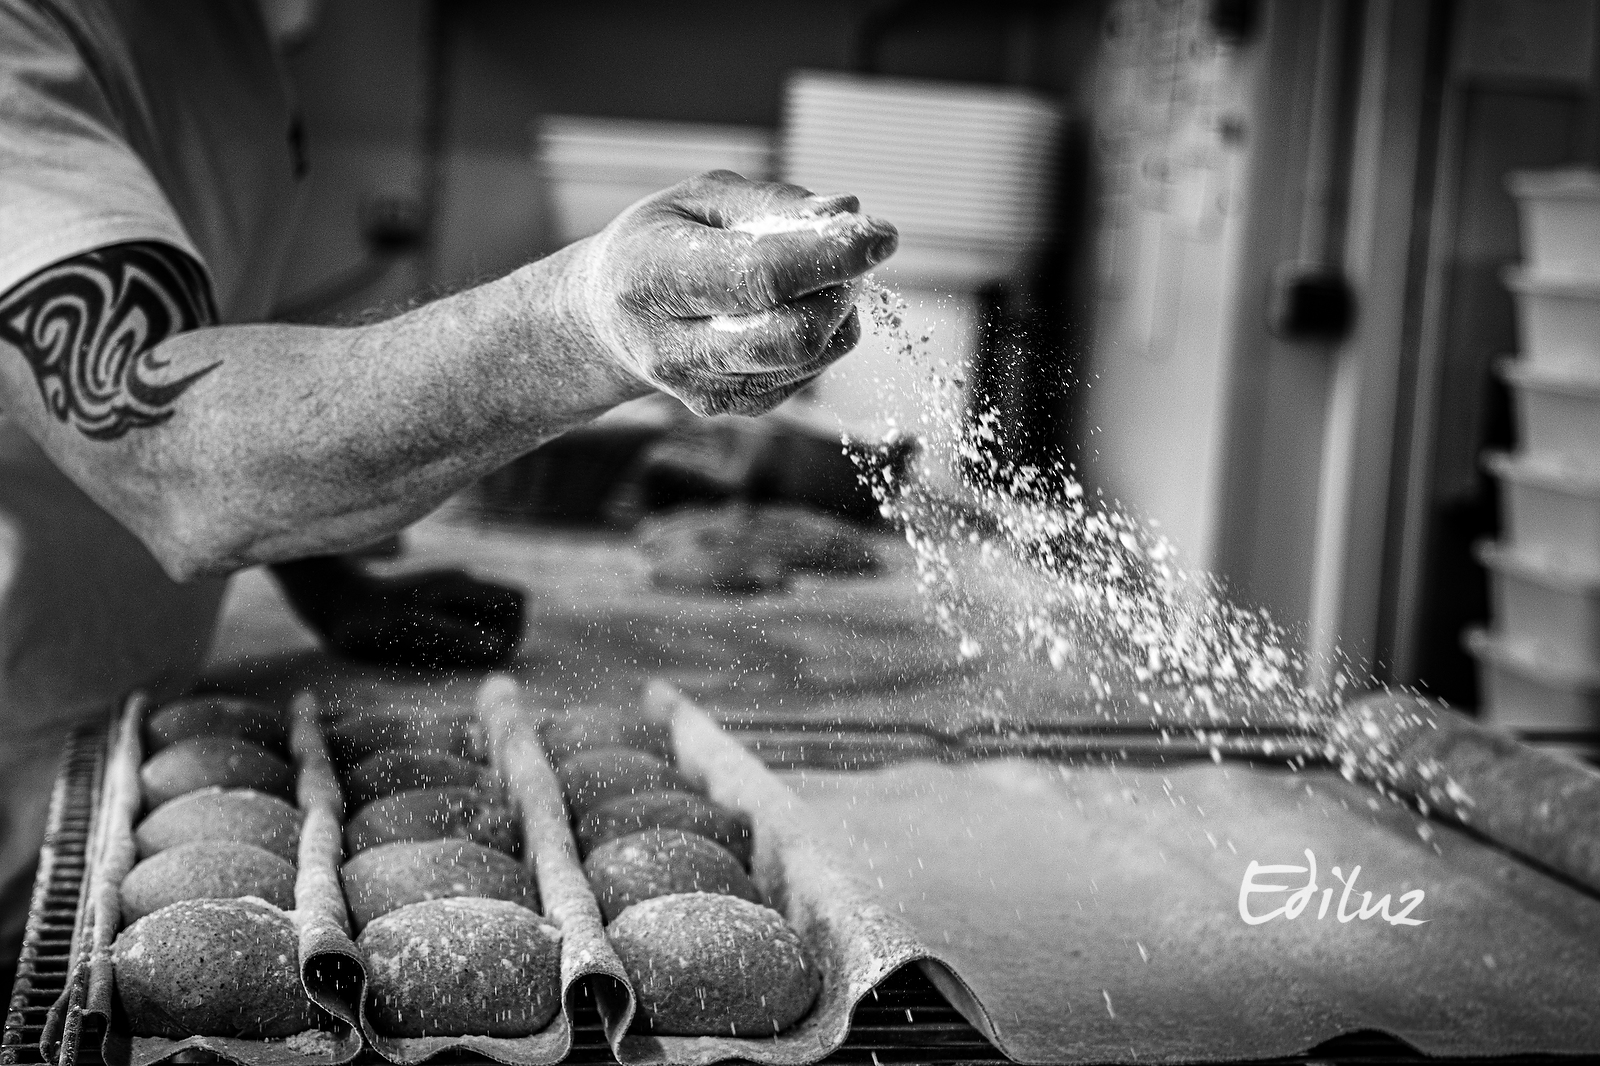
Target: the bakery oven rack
(50, 942)
(905, 1021)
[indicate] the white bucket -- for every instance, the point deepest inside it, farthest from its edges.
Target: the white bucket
(597, 167)
(1544, 607)
(1558, 411)
(1560, 212)
(1523, 690)
(1551, 509)
(966, 172)
(1558, 320)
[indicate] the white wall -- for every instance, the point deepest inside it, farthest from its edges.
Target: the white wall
(1169, 234)
(1156, 394)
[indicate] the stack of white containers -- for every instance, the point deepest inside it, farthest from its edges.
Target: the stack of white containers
(964, 171)
(966, 174)
(594, 168)
(1540, 664)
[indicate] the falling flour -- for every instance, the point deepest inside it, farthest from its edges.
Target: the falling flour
(1100, 592)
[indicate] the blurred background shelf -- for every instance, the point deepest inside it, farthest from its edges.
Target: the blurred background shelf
(1540, 657)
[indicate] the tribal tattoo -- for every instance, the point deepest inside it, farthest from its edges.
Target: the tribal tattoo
(90, 326)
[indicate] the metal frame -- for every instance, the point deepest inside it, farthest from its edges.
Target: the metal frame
(53, 937)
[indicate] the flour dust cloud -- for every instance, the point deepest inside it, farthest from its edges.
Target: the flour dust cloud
(1100, 592)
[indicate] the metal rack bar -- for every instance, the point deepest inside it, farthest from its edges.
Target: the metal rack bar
(791, 748)
(50, 942)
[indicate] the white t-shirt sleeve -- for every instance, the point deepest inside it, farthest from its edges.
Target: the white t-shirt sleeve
(69, 181)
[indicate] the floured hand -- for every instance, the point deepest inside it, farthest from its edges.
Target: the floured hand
(729, 294)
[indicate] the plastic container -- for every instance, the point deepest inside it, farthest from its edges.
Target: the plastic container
(1551, 509)
(1560, 212)
(1558, 412)
(1543, 607)
(1558, 320)
(1527, 691)
(597, 167)
(956, 166)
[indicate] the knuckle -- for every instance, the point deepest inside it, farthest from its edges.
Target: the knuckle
(711, 182)
(749, 404)
(714, 357)
(848, 335)
(726, 398)
(636, 299)
(813, 336)
(793, 342)
(676, 378)
(777, 280)
(790, 191)
(839, 203)
(704, 406)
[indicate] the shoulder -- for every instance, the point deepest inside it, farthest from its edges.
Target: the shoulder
(69, 180)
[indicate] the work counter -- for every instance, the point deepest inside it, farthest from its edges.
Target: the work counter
(1106, 891)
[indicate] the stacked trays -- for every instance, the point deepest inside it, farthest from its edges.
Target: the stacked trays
(1540, 663)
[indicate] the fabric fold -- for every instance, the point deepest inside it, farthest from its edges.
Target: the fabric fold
(332, 970)
(548, 848)
(854, 938)
(116, 854)
(1532, 803)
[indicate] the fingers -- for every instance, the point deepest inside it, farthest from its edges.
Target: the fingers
(771, 348)
(722, 199)
(722, 245)
(724, 272)
(748, 380)
(791, 333)
(732, 294)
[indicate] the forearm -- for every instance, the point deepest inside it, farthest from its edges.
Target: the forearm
(300, 440)
(224, 447)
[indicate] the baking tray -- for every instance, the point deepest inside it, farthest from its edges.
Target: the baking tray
(905, 1020)
(85, 1008)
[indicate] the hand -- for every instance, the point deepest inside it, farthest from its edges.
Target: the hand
(729, 294)
(437, 620)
